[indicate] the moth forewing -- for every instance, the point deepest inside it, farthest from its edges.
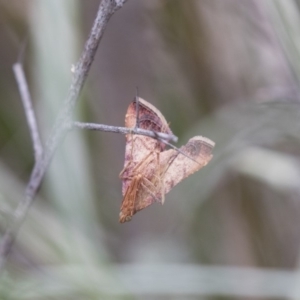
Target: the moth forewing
(180, 166)
(136, 185)
(152, 187)
(149, 170)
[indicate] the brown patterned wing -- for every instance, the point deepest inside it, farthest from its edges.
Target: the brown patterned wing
(140, 153)
(173, 168)
(139, 146)
(150, 171)
(180, 167)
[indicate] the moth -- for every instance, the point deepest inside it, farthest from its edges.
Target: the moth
(150, 171)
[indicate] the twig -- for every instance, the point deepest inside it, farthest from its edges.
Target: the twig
(29, 112)
(105, 11)
(164, 137)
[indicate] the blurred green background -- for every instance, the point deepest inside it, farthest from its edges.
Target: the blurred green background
(225, 69)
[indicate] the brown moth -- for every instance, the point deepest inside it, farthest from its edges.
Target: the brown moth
(149, 170)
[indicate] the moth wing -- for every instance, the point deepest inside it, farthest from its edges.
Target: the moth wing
(178, 166)
(138, 146)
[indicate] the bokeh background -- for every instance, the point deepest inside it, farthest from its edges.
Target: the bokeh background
(225, 69)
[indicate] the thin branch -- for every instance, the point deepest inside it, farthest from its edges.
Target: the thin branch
(105, 11)
(164, 137)
(29, 112)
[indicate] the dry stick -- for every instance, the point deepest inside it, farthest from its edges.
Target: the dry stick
(105, 11)
(27, 104)
(164, 137)
(161, 136)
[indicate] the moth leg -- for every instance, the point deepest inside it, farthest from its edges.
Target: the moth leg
(157, 180)
(148, 189)
(154, 184)
(124, 169)
(143, 162)
(138, 168)
(146, 146)
(159, 177)
(132, 141)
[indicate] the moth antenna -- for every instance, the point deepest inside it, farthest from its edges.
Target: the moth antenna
(137, 106)
(177, 149)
